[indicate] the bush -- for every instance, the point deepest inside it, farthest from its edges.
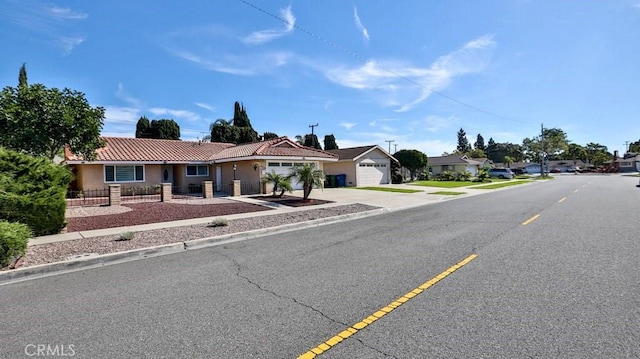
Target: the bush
(219, 222)
(483, 174)
(126, 236)
(13, 241)
(463, 176)
(446, 176)
(32, 191)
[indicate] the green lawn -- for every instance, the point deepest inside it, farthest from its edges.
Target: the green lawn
(448, 193)
(443, 184)
(501, 184)
(390, 189)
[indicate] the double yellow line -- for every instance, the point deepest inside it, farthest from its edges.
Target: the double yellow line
(337, 339)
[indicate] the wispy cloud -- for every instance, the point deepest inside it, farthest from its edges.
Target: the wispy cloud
(359, 26)
(433, 123)
(383, 125)
(405, 85)
(205, 106)
(181, 114)
(244, 65)
(636, 5)
(123, 95)
(260, 37)
(347, 125)
(53, 24)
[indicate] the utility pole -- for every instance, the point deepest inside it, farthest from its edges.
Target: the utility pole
(626, 146)
(313, 139)
(395, 148)
(389, 144)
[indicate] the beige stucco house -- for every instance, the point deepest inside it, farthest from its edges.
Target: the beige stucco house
(140, 162)
(363, 166)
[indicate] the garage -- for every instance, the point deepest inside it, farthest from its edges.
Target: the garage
(372, 173)
(284, 169)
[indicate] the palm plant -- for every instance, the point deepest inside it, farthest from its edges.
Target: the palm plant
(309, 177)
(280, 182)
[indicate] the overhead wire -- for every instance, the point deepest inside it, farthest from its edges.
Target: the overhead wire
(361, 58)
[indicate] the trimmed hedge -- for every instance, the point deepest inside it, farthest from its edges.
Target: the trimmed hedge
(32, 191)
(13, 241)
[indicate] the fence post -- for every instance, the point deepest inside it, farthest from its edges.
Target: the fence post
(114, 194)
(236, 188)
(165, 192)
(207, 189)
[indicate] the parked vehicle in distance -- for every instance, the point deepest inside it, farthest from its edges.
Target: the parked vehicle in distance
(503, 173)
(518, 171)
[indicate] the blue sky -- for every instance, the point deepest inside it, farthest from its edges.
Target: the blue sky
(412, 71)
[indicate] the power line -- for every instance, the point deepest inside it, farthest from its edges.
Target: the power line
(359, 57)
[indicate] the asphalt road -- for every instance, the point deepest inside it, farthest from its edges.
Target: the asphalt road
(556, 276)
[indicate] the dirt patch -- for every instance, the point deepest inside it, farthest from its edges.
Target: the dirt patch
(292, 201)
(145, 213)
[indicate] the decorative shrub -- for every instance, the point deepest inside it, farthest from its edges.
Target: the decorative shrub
(446, 176)
(463, 176)
(32, 191)
(483, 175)
(13, 241)
(126, 236)
(218, 222)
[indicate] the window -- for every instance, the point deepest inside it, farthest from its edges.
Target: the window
(286, 164)
(197, 170)
(124, 173)
(273, 164)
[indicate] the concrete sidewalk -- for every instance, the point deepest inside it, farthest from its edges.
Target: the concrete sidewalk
(339, 196)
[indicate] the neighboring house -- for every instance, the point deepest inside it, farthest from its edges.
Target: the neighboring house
(630, 162)
(140, 162)
(564, 165)
(526, 167)
(364, 166)
(456, 163)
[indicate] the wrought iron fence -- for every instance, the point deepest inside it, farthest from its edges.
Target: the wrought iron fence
(91, 197)
(250, 188)
(190, 191)
(140, 194)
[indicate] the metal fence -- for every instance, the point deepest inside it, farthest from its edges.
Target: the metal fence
(250, 188)
(92, 197)
(140, 194)
(191, 191)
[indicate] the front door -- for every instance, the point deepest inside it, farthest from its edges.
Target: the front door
(218, 178)
(166, 174)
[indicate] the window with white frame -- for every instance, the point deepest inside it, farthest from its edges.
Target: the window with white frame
(124, 173)
(197, 170)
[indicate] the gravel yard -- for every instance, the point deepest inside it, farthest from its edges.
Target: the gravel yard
(60, 251)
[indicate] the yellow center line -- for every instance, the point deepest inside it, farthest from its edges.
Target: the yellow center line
(530, 220)
(335, 340)
(562, 199)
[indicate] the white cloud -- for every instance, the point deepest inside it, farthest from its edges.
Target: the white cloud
(205, 106)
(182, 114)
(382, 124)
(260, 37)
(66, 13)
(404, 85)
(347, 125)
(121, 115)
(359, 26)
(68, 43)
(122, 94)
(244, 65)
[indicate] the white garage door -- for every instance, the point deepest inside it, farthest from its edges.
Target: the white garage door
(284, 169)
(372, 173)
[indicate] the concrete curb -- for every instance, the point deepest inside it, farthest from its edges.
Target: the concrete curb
(50, 269)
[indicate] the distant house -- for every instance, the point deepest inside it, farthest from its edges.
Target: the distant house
(140, 162)
(630, 162)
(363, 166)
(456, 163)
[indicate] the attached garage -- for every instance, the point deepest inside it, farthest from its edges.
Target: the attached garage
(284, 169)
(364, 166)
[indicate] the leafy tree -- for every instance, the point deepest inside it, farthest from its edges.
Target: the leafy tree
(463, 143)
(40, 121)
(600, 158)
(508, 160)
(309, 140)
(396, 176)
(165, 129)
(279, 182)
(551, 143)
(330, 142)
(237, 130)
(269, 136)
(492, 150)
(634, 147)
(597, 153)
(309, 177)
(413, 160)
(143, 128)
(476, 153)
(576, 152)
(479, 144)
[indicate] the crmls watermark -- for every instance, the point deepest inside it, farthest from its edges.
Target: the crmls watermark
(50, 350)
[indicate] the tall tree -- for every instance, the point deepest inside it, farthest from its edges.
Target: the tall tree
(330, 142)
(479, 144)
(143, 128)
(597, 153)
(165, 129)
(238, 130)
(22, 77)
(463, 142)
(269, 136)
(40, 121)
(413, 160)
(223, 131)
(493, 151)
(634, 147)
(309, 140)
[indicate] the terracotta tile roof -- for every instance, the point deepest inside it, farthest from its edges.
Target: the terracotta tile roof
(119, 149)
(279, 147)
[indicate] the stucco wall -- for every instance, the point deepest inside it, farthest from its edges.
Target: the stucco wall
(338, 168)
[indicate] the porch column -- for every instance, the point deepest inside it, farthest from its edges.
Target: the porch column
(114, 194)
(165, 192)
(207, 189)
(236, 188)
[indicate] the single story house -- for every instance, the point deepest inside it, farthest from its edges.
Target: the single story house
(456, 163)
(364, 166)
(141, 162)
(630, 162)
